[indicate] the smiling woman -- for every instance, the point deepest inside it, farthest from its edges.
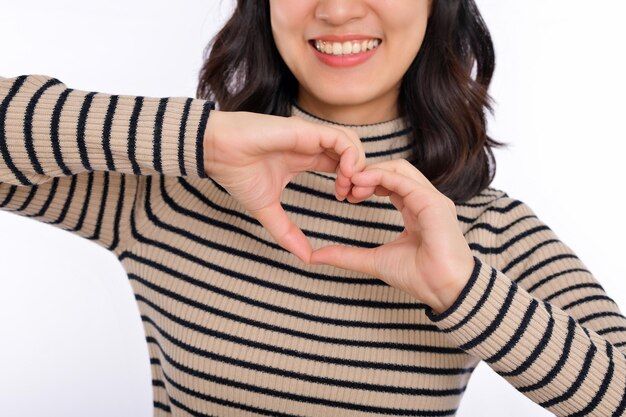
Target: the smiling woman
(367, 89)
(410, 268)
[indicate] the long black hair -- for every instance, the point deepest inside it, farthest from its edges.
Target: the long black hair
(443, 96)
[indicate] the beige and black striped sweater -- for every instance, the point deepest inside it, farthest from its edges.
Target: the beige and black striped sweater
(236, 326)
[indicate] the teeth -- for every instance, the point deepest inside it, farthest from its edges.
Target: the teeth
(346, 48)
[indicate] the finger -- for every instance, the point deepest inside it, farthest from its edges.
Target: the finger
(325, 163)
(284, 231)
(343, 185)
(409, 192)
(353, 259)
(345, 143)
(403, 167)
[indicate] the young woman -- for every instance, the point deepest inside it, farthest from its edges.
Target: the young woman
(409, 268)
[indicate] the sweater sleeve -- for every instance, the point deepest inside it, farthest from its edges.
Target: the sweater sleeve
(541, 320)
(78, 160)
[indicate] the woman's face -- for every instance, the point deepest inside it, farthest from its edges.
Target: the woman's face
(322, 43)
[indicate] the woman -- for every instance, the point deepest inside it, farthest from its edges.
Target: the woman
(234, 323)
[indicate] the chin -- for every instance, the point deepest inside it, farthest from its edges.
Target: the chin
(344, 97)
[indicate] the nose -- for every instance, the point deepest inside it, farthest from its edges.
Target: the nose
(339, 12)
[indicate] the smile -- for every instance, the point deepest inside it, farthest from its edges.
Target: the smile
(345, 48)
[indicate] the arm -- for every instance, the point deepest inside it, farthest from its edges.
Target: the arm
(75, 159)
(540, 319)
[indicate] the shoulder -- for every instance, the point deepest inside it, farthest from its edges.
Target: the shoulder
(495, 206)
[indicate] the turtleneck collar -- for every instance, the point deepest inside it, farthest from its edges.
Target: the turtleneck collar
(382, 141)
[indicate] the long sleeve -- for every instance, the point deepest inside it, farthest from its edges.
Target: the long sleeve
(78, 159)
(540, 319)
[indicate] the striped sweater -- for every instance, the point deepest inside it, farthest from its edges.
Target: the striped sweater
(236, 326)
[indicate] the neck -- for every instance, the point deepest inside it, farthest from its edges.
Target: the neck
(347, 114)
(391, 139)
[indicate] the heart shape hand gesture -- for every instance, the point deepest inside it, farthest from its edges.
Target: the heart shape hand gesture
(254, 156)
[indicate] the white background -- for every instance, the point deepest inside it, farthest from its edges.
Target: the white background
(71, 341)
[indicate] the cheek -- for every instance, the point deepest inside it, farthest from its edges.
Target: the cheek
(287, 18)
(405, 31)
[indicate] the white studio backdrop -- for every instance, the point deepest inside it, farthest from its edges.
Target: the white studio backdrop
(71, 341)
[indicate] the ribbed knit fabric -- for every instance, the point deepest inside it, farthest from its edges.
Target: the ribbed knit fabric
(236, 326)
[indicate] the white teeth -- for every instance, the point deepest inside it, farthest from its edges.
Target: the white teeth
(346, 48)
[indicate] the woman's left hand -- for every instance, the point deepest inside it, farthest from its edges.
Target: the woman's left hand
(430, 259)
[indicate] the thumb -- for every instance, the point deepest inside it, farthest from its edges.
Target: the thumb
(283, 230)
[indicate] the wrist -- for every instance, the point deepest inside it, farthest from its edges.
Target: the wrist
(445, 297)
(210, 140)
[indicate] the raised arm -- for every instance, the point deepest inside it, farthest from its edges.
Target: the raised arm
(79, 159)
(75, 159)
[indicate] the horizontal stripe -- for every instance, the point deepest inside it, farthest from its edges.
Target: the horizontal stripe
(282, 394)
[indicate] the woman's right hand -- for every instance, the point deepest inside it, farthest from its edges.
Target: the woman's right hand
(254, 156)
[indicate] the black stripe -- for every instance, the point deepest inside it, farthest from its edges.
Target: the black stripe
(613, 329)
(460, 298)
(158, 383)
(551, 277)
(582, 376)
(118, 213)
(289, 208)
(132, 135)
(31, 194)
(330, 194)
(543, 343)
(588, 299)
(494, 229)
(354, 363)
(3, 142)
(181, 137)
(210, 202)
(250, 301)
(106, 132)
(619, 411)
(509, 207)
(51, 193)
(274, 328)
(80, 131)
(54, 132)
(10, 194)
(259, 367)
(504, 247)
(86, 202)
(158, 131)
(162, 406)
(361, 302)
(206, 109)
(495, 323)
(517, 336)
(68, 201)
(528, 272)
(280, 394)
(556, 370)
(28, 125)
(103, 202)
(392, 135)
(479, 304)
(600, 314)
(231, 250)
(603, 387)
(573, 288)
(389, 152)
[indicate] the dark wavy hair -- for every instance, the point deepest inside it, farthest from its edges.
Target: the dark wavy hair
(443, 94)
